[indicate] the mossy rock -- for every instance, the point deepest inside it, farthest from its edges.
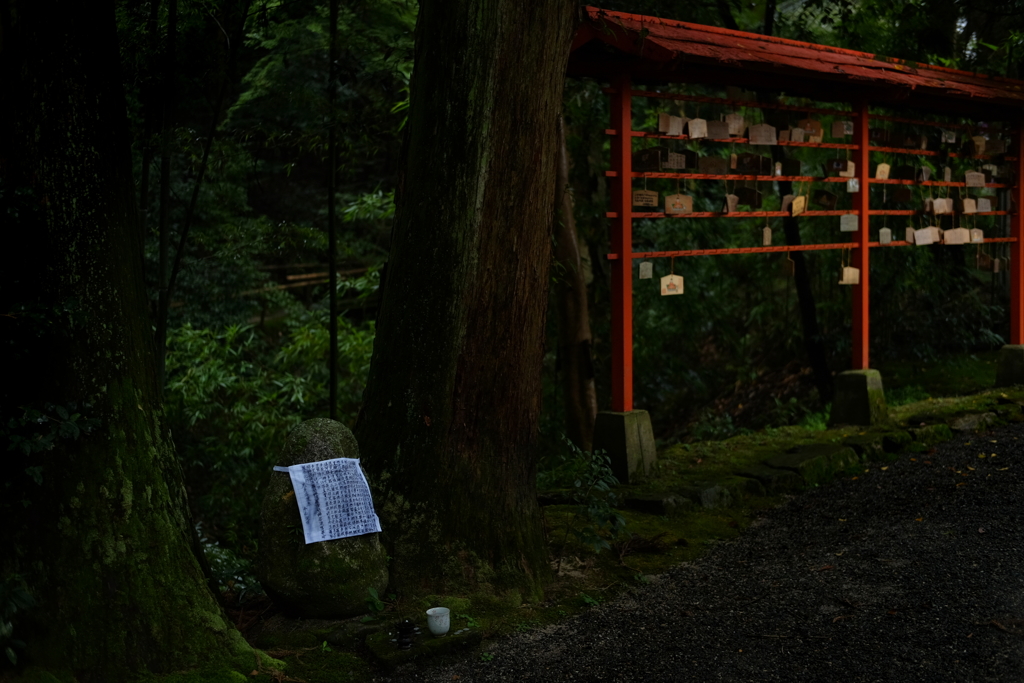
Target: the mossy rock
(816, 463)
(896, 441)
(329, 579)
(932, 434)
(869, 447)
(774, 480)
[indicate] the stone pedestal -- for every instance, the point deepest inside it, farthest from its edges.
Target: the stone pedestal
(1010, 366)
(859, 399)
(629, 441)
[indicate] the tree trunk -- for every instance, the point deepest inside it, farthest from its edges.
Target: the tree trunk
(450, 413)
(97, 526)
(576, 363)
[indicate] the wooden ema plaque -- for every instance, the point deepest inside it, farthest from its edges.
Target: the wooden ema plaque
(812, 128)
(750, 163)
(882, 172)
(675, 126)
(649, 160)
(848, 223)
(737, 124)
(851, 276)
(697, 128)
(718, 130)
(984, 204)
(840, 129)
(678, 204)
(956, 236)
(798, 206)
(762, 134)
(968, 205)
(671, 284)
(977, 236)
(885, 236)
(645, 198)
(663, 122)
(713, 165)
(825, 200)
(974, 179)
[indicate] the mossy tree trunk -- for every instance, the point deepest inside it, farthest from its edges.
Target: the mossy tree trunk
(450, 413)
(97, 526)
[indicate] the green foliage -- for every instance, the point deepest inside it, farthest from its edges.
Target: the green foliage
(233, 394)
(233, 573)
(14, 596)
(374, 603)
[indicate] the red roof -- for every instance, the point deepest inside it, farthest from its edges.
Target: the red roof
(659, 50)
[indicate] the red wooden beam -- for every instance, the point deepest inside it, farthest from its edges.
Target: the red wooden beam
(622, 246)
(862, 201)
(1017, 247)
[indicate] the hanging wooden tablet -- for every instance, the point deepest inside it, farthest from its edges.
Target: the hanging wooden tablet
(882, 172)
(646, 270)
(991, 171)
(839, 128)
(663, 122)
(936, 234)
(731, 203)
(797, 135)
(732, 162)
(718, 130)
(984, 205)
(787, 201)
(799, 205)
(671, 284)
(791, 167)
(996, 146)
(788, 266)
(736, 123)
(983, 261)
(909, 235)
(977, 236)
(649, 160)
(645, 198)
(924, 174)
(948, 137)
(713, 165)
(766, 237)
(813, 129)
(748, 163)
(978, 145)
(885, 236)
(851, 276)
(943, 206)
(848, 223)
(825, 199)
(784, 135)
(974, 179)
(676, 204)
(923, 237)
(697, 128)
(762, 134)
(996, 264)
(675, 125)
(968, 205)
(853, 185)
(947, 174)
(929, 205)
(956, 236)
(675, 161)
(849, 171)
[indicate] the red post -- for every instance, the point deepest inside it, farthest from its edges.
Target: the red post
(1017, 248)
(622, 245)
(862, 202)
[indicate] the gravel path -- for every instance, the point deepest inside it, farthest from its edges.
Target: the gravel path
(911, 573)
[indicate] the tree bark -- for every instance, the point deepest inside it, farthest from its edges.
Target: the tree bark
(97, 525)
(450, 412)
(575, 342)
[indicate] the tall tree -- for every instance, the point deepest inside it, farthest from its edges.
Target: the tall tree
(450, 413)
(95, 517)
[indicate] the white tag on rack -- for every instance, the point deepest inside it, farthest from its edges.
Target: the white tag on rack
(664, 122)
(851, 170)
(970, 205)
(797, 135)
(853, 185)
(766, 237)
(799, 205)
(974, 179)
(996, 264)
(956, 236)
(848, 223)
(923, 237)
(733, 159)
(736, 124)
(947, 174)
(910, 235)
(977, 236)
(851, 276)
(671, 284)
(984, 205)
(884, 236)
(646, 270)
(645, 198)
(678, 204)
(949, 137)
(787, 201)
(698, 128)
(731, 202)
(882, 171)
(675, 125)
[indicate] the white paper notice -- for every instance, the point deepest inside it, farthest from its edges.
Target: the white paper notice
(334, 499)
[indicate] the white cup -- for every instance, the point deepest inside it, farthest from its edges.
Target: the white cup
(438, 620)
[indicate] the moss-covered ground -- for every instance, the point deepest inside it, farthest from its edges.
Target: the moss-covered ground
(699, 494)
